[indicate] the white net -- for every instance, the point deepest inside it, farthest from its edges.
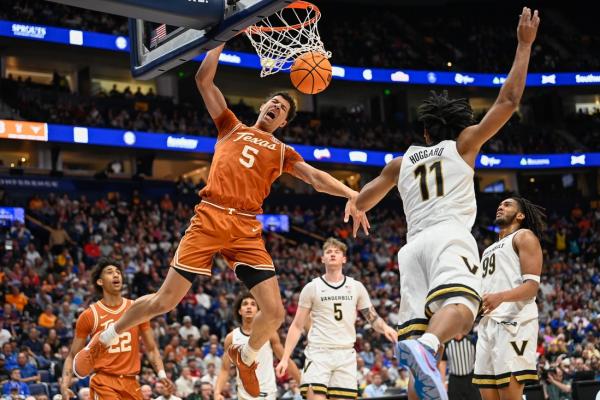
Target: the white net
(285, 35)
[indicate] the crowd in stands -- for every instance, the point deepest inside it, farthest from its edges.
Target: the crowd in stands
(472, 38)
(44, 285)
(133, 110)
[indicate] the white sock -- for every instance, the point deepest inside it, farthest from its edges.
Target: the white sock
(248, 354)
(109, 335)
(430, 340)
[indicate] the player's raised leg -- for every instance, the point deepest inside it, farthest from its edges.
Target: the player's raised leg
(174, 287)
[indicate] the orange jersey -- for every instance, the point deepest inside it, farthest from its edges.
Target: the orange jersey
(246, 163)
(122, 358)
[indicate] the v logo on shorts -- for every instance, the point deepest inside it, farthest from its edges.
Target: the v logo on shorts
(518, 350)
(472, 269)
(307, 365)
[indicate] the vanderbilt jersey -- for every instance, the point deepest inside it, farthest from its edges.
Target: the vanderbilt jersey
(264, 372)
(333, 311)
(436, 185)
(502, 271)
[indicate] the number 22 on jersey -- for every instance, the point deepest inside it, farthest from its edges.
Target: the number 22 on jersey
(123, 344)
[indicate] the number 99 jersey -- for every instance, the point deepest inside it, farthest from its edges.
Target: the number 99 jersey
(436, 185)
(123, 357)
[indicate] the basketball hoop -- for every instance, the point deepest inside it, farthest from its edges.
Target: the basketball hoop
(285, 35)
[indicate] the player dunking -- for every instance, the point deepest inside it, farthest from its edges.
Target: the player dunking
(440, 276)
(247, 160)
(506, 349)
(331, 302)
(245, 310)
(115, 372)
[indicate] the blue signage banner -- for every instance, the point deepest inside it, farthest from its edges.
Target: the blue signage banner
(274, 222)
(8, 215)
(23, 30)
(202, 144)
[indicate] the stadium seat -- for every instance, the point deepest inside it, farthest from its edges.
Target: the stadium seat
(38, 389)
(44, 375)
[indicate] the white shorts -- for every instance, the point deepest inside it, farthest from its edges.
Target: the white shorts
(268, 396)
(439, 263)
(504, 351)
(331, 372)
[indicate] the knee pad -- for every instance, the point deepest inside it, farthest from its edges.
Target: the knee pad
(252, 276)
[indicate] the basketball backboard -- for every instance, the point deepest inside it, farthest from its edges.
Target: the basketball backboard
(165, 34)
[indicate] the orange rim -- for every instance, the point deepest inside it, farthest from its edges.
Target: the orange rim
(301, 5)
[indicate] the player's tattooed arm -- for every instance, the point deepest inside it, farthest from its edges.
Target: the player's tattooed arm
(370, 315)
(379, 324)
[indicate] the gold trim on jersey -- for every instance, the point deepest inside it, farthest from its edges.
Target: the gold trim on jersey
(316, 387)
(413, 327)
(342, 393)
(447, 291)
(503, 380)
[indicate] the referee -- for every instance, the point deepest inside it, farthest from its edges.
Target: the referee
(459, 356)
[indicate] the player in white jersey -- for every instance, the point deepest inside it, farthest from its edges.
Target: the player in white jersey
(440, 279)
(331, 301)
(506, 349)
(246, 308)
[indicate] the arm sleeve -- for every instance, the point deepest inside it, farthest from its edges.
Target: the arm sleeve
(307, 295)
(225, 123)
(84, 325)
(290, 157)
(362, 299)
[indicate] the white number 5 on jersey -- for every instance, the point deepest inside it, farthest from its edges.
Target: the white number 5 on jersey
(248, 156)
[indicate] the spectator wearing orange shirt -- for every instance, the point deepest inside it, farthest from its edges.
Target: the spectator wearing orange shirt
(16, 298)
(166, 204)
(47, 319)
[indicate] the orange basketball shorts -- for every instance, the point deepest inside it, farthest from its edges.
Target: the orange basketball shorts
(114, 387)
(238, 238)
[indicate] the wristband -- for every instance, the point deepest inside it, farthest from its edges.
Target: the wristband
(162, 374)
(531, 277)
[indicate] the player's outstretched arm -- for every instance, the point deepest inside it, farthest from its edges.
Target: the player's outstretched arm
(325, 183)
(225, 367)
(155, 358)
(212, 96)
(373, 192)
(530, 257)
(67, 373)
(278, 351)
(292, 338)
(472, 138)
(378, 324)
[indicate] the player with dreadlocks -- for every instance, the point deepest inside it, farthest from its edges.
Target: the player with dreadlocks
(505, 358)
(440, 277)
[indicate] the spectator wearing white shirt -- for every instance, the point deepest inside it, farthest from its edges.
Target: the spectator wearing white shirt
(377, 388)
(188, 329)
(185, 383)
(213, 356)
(163, 392)
(211, 375)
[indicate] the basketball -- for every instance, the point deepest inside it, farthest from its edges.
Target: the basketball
(311, 73)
